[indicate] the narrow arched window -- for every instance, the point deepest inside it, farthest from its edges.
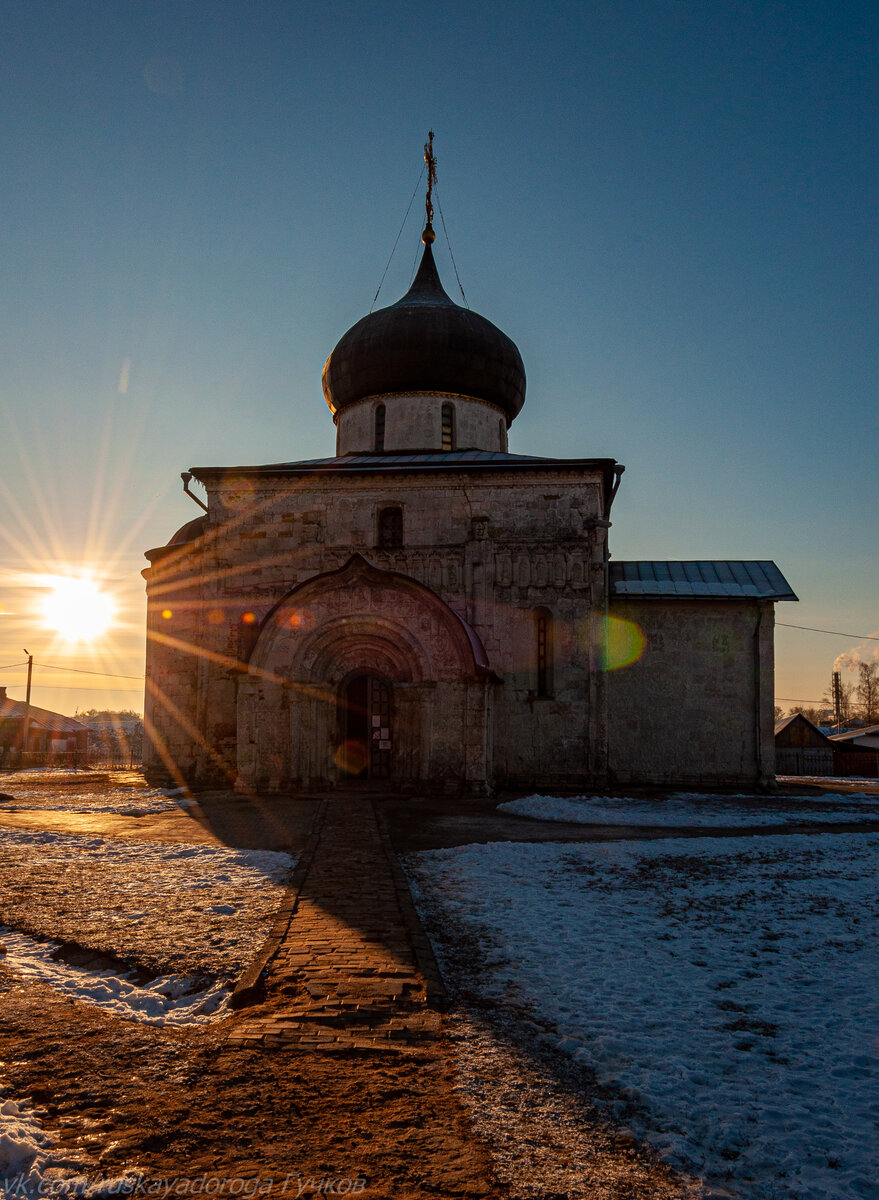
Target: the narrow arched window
(543, 648)
(501, 429)
(390, 528)
(380, 427)
(448, 419)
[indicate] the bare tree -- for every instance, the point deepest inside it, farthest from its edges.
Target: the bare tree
(867, 691)
(818, 716)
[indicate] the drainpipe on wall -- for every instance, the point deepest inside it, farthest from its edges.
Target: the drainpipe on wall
(601, 691)
(186, 476)
(758, 690)
(615, 487)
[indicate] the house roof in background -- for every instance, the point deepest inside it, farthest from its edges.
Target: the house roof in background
(14, 710)
(851, 734)
(794, 717)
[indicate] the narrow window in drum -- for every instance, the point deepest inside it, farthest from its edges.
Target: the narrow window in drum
(448, 418)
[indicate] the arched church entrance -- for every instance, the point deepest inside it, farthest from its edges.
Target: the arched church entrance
(364, 674)
(365, 714)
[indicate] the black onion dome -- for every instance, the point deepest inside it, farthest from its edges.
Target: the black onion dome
(190, 531)
(425, 343)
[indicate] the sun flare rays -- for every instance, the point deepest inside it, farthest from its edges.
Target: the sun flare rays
(77, 609)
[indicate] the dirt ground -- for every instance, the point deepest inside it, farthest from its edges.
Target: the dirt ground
(172, 1105)
(175, 1105)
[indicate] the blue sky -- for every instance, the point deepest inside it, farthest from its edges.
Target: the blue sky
(671, 207)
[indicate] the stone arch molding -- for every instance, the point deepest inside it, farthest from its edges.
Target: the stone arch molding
(363, 618)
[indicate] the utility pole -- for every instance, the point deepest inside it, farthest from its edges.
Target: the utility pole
(836, 700)
(27, 703)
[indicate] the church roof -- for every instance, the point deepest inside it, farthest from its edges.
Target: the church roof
(424, 461)
(720, 580)
(418, 460)
(425, 343)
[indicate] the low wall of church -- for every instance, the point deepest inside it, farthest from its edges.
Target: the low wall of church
(697, 706)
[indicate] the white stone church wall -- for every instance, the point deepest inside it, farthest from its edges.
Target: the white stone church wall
(495, 547)
(687, 712)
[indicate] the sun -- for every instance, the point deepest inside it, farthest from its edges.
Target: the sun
(78, 610)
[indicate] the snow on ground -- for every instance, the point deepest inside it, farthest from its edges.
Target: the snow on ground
(23, 1145)
(726, 987)
(820, 779)
(173, 909)
(124, 793)
(28, 1168)
(693, 808)
(166, 1000)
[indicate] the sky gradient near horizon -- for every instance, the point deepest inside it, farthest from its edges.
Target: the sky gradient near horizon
(669, 206)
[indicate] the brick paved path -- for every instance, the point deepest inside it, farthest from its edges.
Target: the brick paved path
(347, 964)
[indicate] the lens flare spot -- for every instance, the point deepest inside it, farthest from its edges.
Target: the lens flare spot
(167, 614)
(239, 495)
(300, 619)
(624, 643)
(352, 756)
(215, 616)
(248, 618)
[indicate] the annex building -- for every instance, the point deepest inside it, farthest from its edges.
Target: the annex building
(426, 610)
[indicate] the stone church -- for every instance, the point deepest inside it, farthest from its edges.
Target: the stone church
(427, 611)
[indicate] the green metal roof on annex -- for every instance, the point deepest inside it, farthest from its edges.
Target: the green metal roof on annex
(722, 579)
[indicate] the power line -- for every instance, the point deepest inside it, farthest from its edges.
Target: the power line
(72, 687)
(858, 637)
(83, 671)
(12, 666)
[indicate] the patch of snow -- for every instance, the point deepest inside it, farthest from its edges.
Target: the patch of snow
(178, 909)
(696, 809)
(108, 800)
(829, 779)
(23, 1146)
(126, 794)
(725, 987)
(28, 1166)
(168, 1000)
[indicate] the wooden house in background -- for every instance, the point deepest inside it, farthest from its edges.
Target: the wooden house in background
(801, 748)
(856, 752)
(51, 737)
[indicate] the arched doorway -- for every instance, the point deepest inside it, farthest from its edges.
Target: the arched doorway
(365, 727)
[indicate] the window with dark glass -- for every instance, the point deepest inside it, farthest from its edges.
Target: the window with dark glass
(501, 430)
(380, 427)
(543, 630)
(390, 528)
(448, 442)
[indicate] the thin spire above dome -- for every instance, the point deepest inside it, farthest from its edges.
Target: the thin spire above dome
(427, 286)
(430, 159)
(426, 343)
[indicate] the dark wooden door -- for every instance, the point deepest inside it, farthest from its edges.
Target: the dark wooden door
(381, 743)
(366, 732)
